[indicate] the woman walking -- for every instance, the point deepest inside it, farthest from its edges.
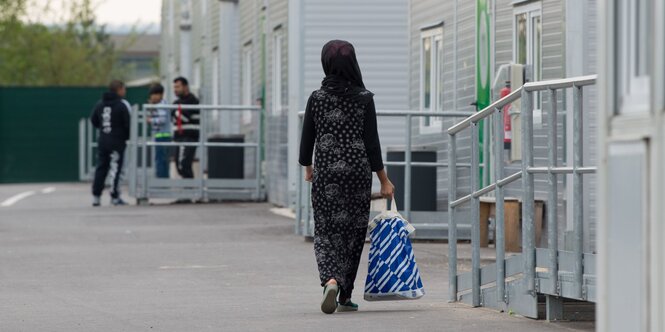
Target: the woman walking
(340, 120)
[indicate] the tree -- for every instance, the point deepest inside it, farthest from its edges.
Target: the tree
(11, 10)
(75, 52)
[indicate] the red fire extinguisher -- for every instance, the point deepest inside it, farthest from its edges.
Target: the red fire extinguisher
(508, 135)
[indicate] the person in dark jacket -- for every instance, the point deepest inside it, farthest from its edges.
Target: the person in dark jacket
(111, 117)
(187, 126)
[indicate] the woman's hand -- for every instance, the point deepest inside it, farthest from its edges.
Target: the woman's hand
(387, 188)
(309, 173)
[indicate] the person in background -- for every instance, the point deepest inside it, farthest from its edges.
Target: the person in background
(111, 117)
(187, 126)
(160, 120)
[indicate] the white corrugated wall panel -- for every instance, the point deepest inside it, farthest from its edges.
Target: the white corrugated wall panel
(169, 44)
(424, 13)
(591, 112)
(277, 122)
(378, 29)
(250, 13)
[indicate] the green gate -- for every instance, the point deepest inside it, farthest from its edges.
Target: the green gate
(39, 130)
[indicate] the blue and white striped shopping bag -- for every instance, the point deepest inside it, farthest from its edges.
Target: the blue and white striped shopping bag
(393, 273)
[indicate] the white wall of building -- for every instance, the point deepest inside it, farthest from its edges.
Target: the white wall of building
(378, 29)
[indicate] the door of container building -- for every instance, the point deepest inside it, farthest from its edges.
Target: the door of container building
(632, 141)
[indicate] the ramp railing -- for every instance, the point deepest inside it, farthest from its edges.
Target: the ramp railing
(144, 185)
(514, 283)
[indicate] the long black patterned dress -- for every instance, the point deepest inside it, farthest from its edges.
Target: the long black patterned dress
(347, 151)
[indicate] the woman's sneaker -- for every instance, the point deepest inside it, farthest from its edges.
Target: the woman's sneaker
(118, 201)
(329, 301)
(347, 306)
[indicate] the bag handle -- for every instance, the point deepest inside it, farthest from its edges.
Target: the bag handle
(393, 204)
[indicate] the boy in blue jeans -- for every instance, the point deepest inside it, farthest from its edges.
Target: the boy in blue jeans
(160, 121)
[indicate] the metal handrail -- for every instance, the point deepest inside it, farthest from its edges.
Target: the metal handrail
(399, 113)
(240, 145)
(407, 163)
(87, 145)
(516, 176)
(143, 141)
(516, 94)
(527, 175)
(561, 83)
(226, 108)
(485, 112)
(476, 194)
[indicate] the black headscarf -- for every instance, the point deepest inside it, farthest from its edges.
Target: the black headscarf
(343, 77)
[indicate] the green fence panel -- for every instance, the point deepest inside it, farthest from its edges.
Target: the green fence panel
(39, 130)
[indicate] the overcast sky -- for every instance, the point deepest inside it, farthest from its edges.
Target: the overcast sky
(116, 14)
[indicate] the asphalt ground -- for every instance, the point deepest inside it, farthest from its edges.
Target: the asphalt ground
(66, 266)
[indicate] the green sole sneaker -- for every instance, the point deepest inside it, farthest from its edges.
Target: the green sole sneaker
(347, 307)
(329, 301)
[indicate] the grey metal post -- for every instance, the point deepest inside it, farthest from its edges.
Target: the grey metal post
(407, 169)
(486, 154)
(310, 212)
(452, 223)
(203, 161)
(82, 149)
(578, 151)
(133, 141)
(259, 148)
(299, 190)
(475, 217)
(91, 152)
(299, 203)
(499, 239)
(552, 222)
(308, 204)
(144, 152)
(528, 234)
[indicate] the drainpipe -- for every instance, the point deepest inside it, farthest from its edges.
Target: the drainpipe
(296, 88)
(228, 52)
(263, 77)
(455, 58)
(185, 39)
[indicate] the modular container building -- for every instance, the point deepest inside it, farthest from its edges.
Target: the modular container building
(415, 55)
(454, 44)
(268, 52)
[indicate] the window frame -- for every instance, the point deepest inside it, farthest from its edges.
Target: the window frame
(633, 89)
(532, 11)
(436, 77)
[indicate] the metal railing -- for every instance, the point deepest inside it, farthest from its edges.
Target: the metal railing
(87, 146)
(143, 185)
(568, 274)
(88, 152)
(88, 149)
(304, 215)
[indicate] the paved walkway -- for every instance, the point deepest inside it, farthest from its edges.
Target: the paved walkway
(220, 267)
